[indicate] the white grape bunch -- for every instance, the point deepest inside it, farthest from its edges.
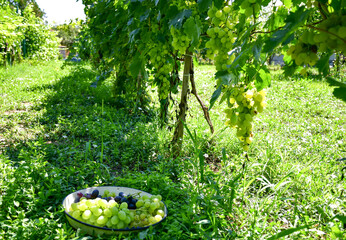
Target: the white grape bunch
(245, 103)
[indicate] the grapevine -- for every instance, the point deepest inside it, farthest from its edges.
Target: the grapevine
(239, 46)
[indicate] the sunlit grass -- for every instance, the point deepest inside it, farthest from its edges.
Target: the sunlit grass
(57, 135)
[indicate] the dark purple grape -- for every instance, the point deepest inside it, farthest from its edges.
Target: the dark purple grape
(80, 194)
(123, 199)
(134, 201)
(117, 199)
(129, 198)
(132, 206)
(88, 196)
(121, 194)
(77, 199)
(94, 194)
(108, 198)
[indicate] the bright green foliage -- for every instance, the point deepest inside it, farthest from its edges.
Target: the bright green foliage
(62, 135)
(68, 32)
(25, 35)
(239, 36)
(10, 34)
(41, 42)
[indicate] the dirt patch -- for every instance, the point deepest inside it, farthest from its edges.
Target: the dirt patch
(13, 112)
(25, 106)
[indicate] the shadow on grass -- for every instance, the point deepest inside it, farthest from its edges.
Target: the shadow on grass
(82, 126)
(86, 142)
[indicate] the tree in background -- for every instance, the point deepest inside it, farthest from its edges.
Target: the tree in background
(68, 32)
(24, 35)
(22, 4)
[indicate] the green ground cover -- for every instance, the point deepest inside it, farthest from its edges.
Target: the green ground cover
(58, 135)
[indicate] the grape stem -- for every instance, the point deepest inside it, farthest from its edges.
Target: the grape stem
(247, 158)
(271, 31)
(323, 30)
(321, 10)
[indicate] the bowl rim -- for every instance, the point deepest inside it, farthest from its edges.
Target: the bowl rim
(114, 229)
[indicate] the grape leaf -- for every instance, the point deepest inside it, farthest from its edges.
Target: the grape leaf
(226, 78)
(177, 21)
(341, 218)
(257, 48)
(323, 64)
(287, 3)
(251, 71)
(192, 28)
(133, 34)
(215, 96)
(289, 69)
(263, 79)
(218, 3)
(293, 21)
(136, 65)
(145, 16)
(203, 5)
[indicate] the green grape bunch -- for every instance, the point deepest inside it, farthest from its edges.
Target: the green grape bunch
(332, 34)
(305, 51)
(180, 41)
(221, 37)
(328, 35)
(159, 57)
(251, 7)
(245, 103)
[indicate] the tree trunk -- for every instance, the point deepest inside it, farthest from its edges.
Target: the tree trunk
(179, 130)
(194, 91)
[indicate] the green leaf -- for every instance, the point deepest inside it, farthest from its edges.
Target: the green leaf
(203, 5)
(323, 64)
(251, 71)
(201, 164)
(341, 218)
(136, 65)
(145, 16)
(218, 3)
(143, 234)
(192, 29)
(263, 79)
(288, 232)
(257, 48)
(177, 21)
(287, 3)
(133, 34)
(226, 78)
(289, 69)
(215, 96)
(293, 21)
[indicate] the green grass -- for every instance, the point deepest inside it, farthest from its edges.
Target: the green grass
(58, 135)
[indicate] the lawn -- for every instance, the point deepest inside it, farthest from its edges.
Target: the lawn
(58, 135)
